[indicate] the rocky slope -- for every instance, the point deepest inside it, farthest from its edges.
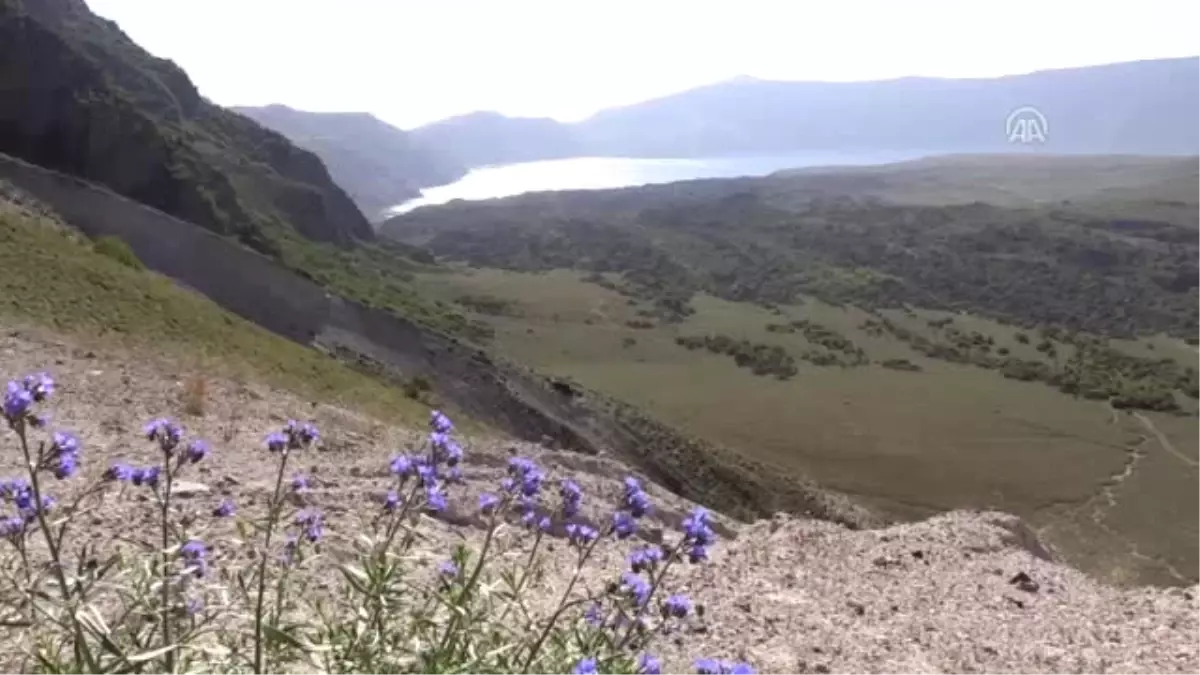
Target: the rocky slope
(77, 95)
(378, 164)
(962, 592)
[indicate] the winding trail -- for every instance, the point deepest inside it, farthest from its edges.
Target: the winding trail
(1163, 440)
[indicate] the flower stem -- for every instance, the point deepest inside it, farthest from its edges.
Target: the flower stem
(562, 604)
(465, 595)
(165, 562)
(272, 516)
(55, 557)
(656, 581)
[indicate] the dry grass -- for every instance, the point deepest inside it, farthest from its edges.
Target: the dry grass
(194, 399)
(909, 444)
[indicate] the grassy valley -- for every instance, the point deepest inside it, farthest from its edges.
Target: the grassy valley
(919, 357)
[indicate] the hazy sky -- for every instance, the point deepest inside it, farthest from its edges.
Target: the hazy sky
(416, 61)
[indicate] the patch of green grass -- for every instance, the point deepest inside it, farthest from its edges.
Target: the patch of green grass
(906, 443)
(378, 276)
(52, 276)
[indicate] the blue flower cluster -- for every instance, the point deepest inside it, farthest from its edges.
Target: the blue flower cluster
(168, 435)
(20, 493)
(294, 436)
(445, 452)
(19, 398)
(63, 458)
(194, 555)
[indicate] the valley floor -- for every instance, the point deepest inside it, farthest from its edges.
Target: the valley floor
(788, 595)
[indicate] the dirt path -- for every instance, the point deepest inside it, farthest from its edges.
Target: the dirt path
(1163, 440)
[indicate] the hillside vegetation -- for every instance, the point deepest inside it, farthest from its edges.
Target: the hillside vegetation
(916, 354)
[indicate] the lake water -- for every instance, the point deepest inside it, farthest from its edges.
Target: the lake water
(588, 173)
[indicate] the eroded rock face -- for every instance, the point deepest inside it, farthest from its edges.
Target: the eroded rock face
(77, 95)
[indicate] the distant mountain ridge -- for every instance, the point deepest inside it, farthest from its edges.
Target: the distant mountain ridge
(378, 164)
(1141, 107)
(79, 96)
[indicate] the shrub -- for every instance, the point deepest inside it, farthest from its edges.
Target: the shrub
(900, 364)
(118, 250)
(416, 387)
(170, 606)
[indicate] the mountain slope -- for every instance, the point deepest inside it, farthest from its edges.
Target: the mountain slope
(77, 95)
(1137, 107)
(378, 164)
(484, 138)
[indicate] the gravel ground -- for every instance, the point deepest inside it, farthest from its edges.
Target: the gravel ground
(961, 592)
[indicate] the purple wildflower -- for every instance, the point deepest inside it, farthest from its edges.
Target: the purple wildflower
(439, 422)
(531, 482)
(300, 435)
(571, 495)
(698, 534)
(392, 501)
(708, 667)
(11, 527)
(39, 386)
(64, 443)
(435, 499)
(147, 476)
(225, 509)
(166, 432)
(119, 472)
(402, 466)
(738, 669)
(585, 667)
(636, 587)
(276, 442)
(193, 553)
(519, 466)
(488, 503)
(196, 451)
(17, 401)
(645, 558)
(299, 483)
(453, 453)
(648, 665)
(312, 523)
(65, 466)
(455, 476)
(594, 616)
(581, 535)
(624, 525)
(677, 606)
(448, 569)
